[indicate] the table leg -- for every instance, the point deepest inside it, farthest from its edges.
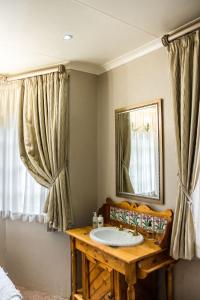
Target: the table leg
(116, 286)
(130, 276)
(85, 277)
(73, 267)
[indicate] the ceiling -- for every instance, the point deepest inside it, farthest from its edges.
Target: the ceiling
(31, 31)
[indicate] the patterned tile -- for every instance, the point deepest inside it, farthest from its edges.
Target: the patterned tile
(134, 219)
(113, 213)
(123, 216)
(145, 221)
(160, 224)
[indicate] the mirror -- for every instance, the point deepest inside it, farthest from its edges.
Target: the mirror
(139, 155)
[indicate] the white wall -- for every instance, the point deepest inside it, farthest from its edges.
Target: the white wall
(83, 154)
(143, 79)
(38, 259)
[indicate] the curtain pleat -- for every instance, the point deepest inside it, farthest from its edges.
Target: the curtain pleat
(124, 135)
(44, 142)
(185, 75)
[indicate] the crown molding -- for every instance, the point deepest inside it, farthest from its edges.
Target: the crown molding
(121, 60)
(125, 58)
(69, 65)
(85, 67)
(100, 69)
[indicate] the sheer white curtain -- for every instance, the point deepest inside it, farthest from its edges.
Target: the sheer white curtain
(20, 195)
(144, 168)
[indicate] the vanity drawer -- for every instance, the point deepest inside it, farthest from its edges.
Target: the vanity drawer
(100, 256)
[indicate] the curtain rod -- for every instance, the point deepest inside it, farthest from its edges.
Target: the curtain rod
(60, 69)
(190, 27)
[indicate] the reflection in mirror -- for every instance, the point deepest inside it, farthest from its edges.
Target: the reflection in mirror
(138, 152)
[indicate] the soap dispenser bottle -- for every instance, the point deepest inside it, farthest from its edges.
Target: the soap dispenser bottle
(95, 220)
(100, 221)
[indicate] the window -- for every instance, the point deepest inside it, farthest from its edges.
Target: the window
(20, 195)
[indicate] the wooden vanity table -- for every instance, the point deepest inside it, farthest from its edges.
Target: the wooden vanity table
(122, 273)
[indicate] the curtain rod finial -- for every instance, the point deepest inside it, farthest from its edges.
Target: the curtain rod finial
(3, 77)
(61, 68)
(165, 40)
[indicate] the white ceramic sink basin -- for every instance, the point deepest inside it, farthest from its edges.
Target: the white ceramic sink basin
(115, 237)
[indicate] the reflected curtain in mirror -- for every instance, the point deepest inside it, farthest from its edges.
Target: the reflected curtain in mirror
(139, 152)
(144, 151)
(124, 153)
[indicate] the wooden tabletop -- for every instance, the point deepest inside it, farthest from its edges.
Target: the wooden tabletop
(126, 254)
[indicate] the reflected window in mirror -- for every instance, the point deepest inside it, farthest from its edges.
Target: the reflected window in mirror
(139, 161)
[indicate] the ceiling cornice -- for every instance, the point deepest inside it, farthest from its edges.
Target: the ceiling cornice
(85, 67)
(125, 58)
(100, 69)
(117, 62)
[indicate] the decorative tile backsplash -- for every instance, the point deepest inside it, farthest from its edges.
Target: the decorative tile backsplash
(134, 219)
(144, 221)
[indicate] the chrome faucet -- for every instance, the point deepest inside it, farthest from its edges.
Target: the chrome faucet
(120, 228)
(134, 231)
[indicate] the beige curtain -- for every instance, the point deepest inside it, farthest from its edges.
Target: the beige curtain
(10, 93)
(125, 144)
(185, 73)
(44, 140)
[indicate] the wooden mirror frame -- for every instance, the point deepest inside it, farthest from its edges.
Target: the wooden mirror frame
(136, 197)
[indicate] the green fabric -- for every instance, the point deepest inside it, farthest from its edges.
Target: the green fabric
(44, 141)
(185, 73)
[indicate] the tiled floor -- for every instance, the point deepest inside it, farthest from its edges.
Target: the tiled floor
(35, 295)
